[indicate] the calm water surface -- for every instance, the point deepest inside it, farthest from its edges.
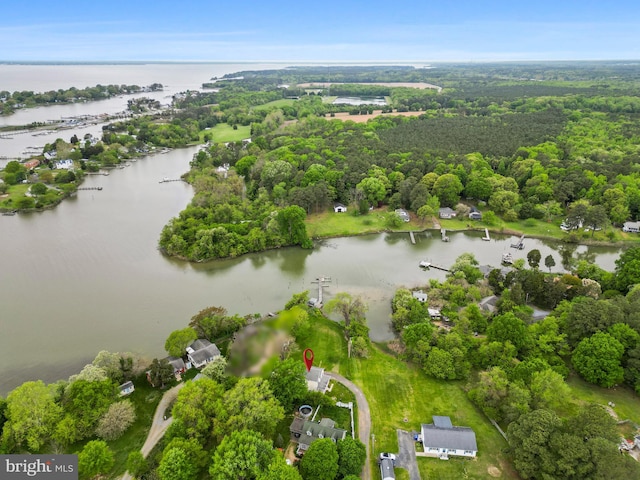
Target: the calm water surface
(87, 275)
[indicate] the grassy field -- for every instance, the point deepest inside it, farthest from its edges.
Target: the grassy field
(224, 132)
(401, 396)
(627, 403)
(329, 224)
(13, 193)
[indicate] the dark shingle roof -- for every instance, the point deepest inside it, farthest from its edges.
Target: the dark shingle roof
(457, 438)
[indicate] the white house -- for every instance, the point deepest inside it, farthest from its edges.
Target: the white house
(64, 164)
(201, 352)
(447, 212)
(441, 439)
(404, 216)
(317, 380)
(631, 227)
(126, 388)
(420, 296)
(339, 208)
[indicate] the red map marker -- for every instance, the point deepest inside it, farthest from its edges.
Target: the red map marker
(308, 358)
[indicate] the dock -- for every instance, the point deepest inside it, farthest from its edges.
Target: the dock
(167, 180)
(519, 244)
(321, 281)
(486, 237)
(90, 188)
(443, 234)
(413, 239)
(439, 267)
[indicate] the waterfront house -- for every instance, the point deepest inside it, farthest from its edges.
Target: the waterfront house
(441, 439)
(305, 432)
(404, 216)
(339, 208)
(475, 214)
(64, 164)
(317, 381)
(420, 296)
(178, 365)
(631, 227)
(447, 213)
(31, 164)
(201, 352)
(126, 388)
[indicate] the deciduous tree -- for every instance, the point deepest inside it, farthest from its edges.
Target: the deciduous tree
(320, 461)
(95, 458)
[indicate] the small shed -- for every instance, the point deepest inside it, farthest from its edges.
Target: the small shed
(339, 208)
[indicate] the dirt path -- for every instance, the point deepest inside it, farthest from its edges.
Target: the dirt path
(159, 425)
(364, 418)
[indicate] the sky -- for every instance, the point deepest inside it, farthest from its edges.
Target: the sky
(322, 31)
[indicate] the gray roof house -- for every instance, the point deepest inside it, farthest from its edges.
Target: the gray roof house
(178, 365)
(447, 212)
(126, 388)
(475, 214)
(201, 352)
(441, 439)
(305, 432)
(317, 380)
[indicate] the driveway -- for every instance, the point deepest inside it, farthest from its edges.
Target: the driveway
(159, 425)
(406, 457)
(364, 419)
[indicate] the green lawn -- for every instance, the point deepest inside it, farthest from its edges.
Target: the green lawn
(224, 132)
(397, 392)
(627, 402)
(14, 192)
(330, 224)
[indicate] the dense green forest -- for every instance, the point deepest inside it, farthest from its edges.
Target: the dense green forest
(546, 142)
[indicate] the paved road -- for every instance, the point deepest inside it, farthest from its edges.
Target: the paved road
(406, 457)
(364, 418)
(159, 425)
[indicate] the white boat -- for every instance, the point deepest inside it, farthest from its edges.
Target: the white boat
(424, 264)
(507, 258)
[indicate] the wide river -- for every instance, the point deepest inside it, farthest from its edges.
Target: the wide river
(87, 276)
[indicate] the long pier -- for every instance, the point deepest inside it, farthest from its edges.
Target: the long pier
(167, 180)
(90, 188)
(413, 239)
(486, 237)
(443, 233)
(321, 281)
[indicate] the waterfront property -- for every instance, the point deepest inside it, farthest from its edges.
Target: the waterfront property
(447, 213)
(201, 352)
(404, 216)
(441, 439)
(305, 432)
(631, 227)
(475, 214)
(420, 296)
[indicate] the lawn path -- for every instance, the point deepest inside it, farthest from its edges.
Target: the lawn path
(364, 418)
(159, 425)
